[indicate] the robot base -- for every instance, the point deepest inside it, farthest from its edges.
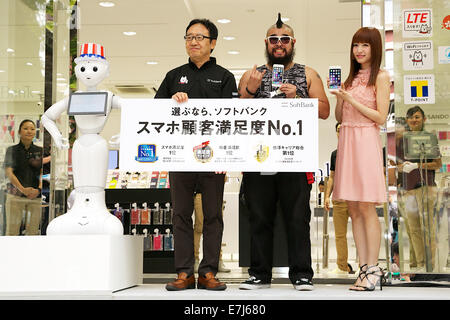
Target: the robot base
(88, 215)
(78, 264)
(75, 222)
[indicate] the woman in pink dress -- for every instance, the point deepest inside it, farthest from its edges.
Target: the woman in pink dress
(362, 106)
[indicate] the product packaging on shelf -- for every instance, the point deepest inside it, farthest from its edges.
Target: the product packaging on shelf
(168, 241)
(145, 214)
(135, 215)
(154, 180)
(163, 179)
(168, 214)
(157, 217)
(147, 241)
(118, 212)
(157, 241)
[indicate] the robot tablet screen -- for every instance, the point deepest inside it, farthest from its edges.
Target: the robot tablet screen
(84, 103)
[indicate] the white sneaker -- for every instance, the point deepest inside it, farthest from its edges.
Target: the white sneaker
(303, 284)
(253, 283)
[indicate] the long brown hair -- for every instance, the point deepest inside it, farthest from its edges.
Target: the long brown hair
(373, 37)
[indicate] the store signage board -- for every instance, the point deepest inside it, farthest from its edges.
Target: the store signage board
(417, 23)
(418, 55)
(419, 89)
(263, 135)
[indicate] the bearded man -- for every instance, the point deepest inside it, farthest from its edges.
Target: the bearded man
(262, 191)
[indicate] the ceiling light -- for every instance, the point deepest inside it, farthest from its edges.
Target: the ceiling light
(2, 71)
(129, 33)
(107, 4)
(224, 21)
(229, 38)
(10, 50)
(285, 19)
(233, 52)
(152, 62)
(29, 64)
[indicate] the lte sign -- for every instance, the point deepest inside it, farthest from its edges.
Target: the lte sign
(417, 23)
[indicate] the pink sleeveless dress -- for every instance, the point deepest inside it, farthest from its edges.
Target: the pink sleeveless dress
(359, 172)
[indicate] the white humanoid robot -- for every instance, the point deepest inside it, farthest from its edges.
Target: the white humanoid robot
(88, 213)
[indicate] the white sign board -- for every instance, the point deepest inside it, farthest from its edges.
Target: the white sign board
(272, 135)
(417, 23)
(418, 55)
(419, 89)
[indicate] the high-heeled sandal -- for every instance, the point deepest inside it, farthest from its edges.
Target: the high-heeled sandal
(361, 275)
(373, 271)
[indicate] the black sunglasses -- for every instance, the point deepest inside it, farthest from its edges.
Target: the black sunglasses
(283, 39)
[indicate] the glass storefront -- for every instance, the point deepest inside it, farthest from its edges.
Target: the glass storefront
(23, 31)
(421, 72)
(40, 38)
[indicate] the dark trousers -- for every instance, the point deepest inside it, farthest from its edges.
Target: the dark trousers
(182, 188)
(262, 192)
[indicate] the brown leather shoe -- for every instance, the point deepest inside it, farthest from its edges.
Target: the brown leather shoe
(209, 282)
(182, 282)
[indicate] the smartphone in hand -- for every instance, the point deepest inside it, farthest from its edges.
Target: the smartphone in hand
(277, 75)
(334, 75)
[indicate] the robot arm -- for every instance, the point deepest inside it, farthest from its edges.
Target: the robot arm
(116, 102)
(48, 120)
(114, 142)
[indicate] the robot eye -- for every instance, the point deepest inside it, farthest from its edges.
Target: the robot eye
(95, 69)
(82, 69)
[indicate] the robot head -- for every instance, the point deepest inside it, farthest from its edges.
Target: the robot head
(92, 67)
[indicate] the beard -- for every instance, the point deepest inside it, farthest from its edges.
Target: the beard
(286, 60)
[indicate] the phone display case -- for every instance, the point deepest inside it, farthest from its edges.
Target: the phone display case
(154, 261)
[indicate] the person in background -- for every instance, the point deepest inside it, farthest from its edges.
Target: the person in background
(201, 77)
(419, 195)
(362, 106)
(23, 168)
(321, 190)
(262, 191)
(340, 218)
(198, 231)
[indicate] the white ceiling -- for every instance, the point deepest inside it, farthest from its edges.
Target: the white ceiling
(160, 27)
(322, 28)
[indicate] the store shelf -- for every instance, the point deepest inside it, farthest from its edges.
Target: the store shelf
(153, 261)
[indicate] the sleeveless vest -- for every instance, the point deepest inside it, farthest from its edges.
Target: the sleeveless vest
(295, 75)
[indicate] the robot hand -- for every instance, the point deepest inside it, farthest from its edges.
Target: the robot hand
(114, 142)
(61, 143)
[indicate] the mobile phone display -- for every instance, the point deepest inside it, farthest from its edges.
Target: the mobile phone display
(277, 75)
(335, 77)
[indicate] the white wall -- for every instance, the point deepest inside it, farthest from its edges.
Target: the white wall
(329, 28)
